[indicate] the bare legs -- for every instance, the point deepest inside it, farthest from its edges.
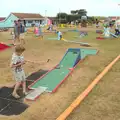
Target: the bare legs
(17, 40)
(14, 94)
(24, 87)
(22, 40)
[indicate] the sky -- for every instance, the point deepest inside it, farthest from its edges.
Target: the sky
(52, 7)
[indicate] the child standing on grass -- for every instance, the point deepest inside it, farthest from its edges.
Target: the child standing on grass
(60, 37)
(18, 71)
(40, 32)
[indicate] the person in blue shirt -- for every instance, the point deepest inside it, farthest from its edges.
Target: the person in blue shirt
(22, 31)
(59, 35)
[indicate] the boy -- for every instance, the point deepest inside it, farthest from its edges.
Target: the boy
(60, 37)
(18, 72)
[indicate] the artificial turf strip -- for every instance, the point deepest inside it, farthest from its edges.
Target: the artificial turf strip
(36, 75)
(52, 79)
(8, 104)
(8, 107)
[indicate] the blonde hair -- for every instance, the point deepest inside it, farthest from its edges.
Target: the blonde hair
(19, 49)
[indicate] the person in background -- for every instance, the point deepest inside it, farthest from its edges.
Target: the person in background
(15, 32)
(60, 37)
(117, 27)
(40, 32)
(106, 31)
(51, 27)
(22, 31)
(110, 24)
(97, 23)
(19, 27)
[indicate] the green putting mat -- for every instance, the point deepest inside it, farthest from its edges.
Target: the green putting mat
(69, 60)
(86, 52)
(52, 79)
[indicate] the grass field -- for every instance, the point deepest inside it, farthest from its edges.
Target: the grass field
(101, 104)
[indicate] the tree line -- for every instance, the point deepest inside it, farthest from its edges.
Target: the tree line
(76, 15)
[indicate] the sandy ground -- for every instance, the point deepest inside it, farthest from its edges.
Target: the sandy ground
(49, 106)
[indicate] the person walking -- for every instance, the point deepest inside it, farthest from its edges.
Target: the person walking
(16, 33)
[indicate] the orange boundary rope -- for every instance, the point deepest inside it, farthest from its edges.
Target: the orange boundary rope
(84, 94)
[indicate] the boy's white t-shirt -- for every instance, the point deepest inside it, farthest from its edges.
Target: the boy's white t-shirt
(15, 60)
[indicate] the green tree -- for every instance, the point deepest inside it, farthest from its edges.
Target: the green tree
(62, 17)
(82, 12)
(76, 11)
(73, 12)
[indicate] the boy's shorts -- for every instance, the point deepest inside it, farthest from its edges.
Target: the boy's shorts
(19, 76)
(22, 36)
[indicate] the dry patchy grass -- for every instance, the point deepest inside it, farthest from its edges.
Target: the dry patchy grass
(49, 106)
